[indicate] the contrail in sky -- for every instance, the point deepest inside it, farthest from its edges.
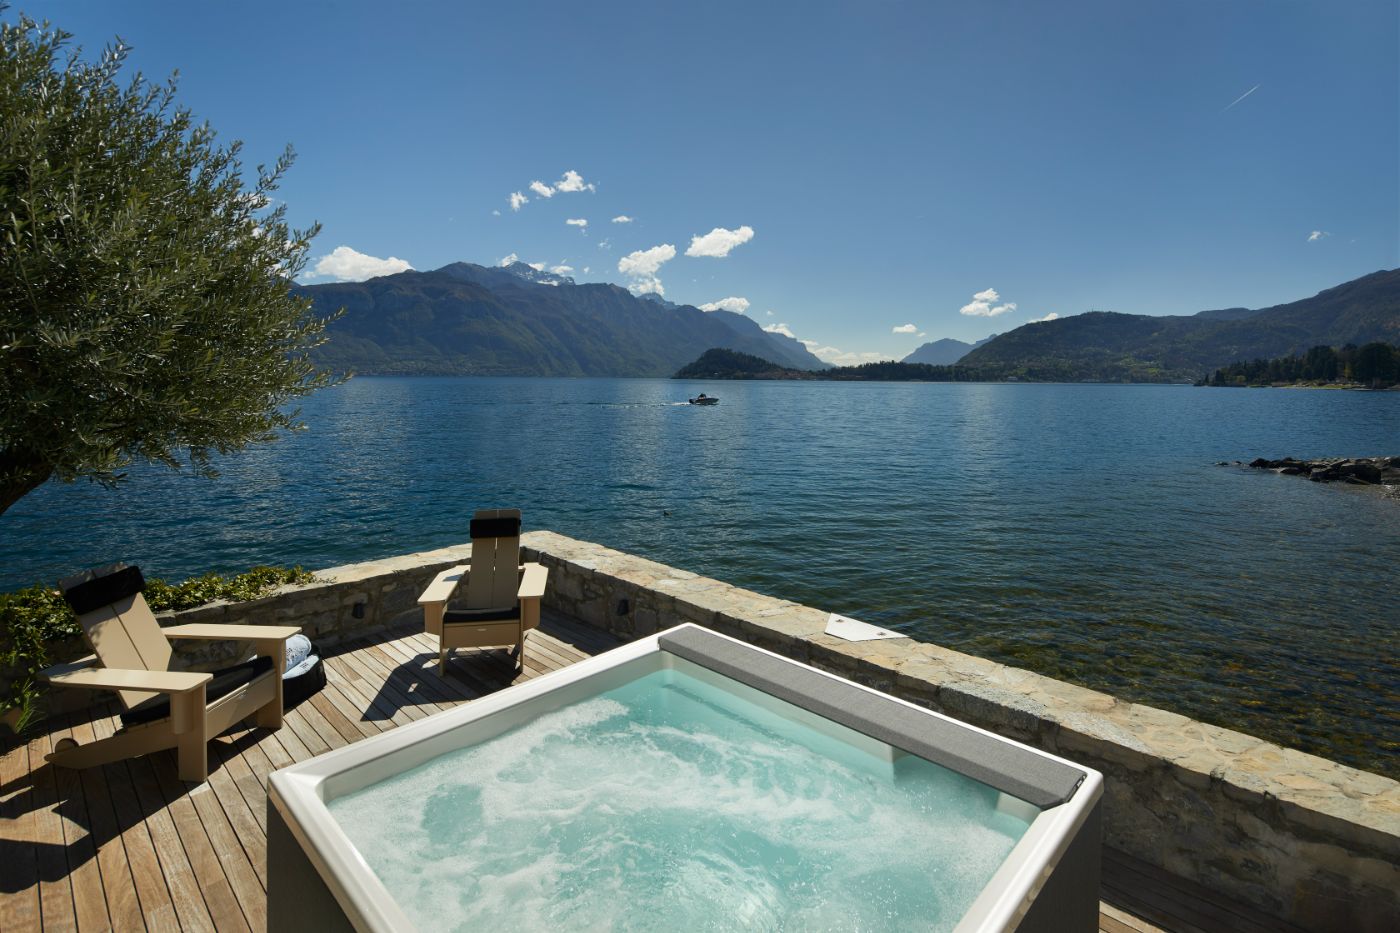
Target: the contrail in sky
(1243, 96)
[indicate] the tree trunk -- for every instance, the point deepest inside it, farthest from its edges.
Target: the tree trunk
(19, 476)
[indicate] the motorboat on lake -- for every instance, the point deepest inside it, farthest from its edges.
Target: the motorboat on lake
(703, 399)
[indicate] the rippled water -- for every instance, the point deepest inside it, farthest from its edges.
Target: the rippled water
(669, 804)
(1082, 531)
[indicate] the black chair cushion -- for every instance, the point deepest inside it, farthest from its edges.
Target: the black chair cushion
(225, 682)
(103, 591)
(481, 615)
(495, 528)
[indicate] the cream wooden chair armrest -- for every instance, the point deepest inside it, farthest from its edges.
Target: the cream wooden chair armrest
(207, 632)
(106, 678)
(435, 597)
(533, 578)
(268, 640)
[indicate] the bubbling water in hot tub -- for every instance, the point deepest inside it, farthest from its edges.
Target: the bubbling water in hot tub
(669, 803)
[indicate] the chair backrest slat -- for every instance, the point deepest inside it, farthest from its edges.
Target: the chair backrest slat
(123, 633)
(495, 570)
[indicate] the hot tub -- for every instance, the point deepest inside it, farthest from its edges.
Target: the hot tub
(685, 781)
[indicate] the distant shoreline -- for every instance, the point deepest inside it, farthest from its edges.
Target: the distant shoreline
(985, 382)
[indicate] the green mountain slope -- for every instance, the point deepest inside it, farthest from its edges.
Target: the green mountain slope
(466, 319)
(1105, 346)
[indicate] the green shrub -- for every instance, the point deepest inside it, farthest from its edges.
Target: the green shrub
(32, 619)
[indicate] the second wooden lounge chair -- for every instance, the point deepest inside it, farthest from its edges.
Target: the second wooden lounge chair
(163, 708)
(500, 601)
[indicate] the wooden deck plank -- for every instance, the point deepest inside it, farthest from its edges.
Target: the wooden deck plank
(384, 696)
(242, 875)
(388, 691)
(239, 770)
(1178, 904)
(55, 884)
(410, 666)
(205, 864)
(118, 887)
(346, 678)
(305, 736)
(168, 855)
(89, 906)
(352, 711)
(146, 874)
(398, 667)
(19, 870)
(1115, 920)
(247, 829)
(185, 895)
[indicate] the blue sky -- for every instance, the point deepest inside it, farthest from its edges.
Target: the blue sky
(860, 166)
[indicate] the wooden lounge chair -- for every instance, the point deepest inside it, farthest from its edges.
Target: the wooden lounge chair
(162, 708)
(501, 599)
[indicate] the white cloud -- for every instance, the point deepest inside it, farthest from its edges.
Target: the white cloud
(573, 181)
(1052, 316)
(561, 269)
(737, 305)
(826, 354)
(642, 265)
(719, 241)
(622, 219)
(344, 264)
(580, 222)
(586, 270)
(537, 266)
(646, 261)
(1317, 235)
(983, 304)
(769, 313)
(508, 260)
(840, 357)
(605, 243)
(905, 329)
(495, 213)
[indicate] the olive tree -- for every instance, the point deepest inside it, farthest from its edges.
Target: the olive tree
(145, 310)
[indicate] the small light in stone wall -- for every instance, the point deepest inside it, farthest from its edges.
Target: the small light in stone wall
(623, 607)
(358, 610)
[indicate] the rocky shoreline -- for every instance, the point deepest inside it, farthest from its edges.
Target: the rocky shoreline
(1357, 471)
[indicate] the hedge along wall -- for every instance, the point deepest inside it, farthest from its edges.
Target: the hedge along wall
(1302, 838)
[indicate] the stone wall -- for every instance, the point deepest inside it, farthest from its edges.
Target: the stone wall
(1300, 837)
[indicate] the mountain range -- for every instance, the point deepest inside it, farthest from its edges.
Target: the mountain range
(1104, 346)
(944, 352)
(466, 319)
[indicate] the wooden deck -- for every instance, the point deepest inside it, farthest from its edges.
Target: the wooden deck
(130, 847)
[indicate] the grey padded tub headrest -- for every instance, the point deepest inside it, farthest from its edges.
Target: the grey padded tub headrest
(1011, 769)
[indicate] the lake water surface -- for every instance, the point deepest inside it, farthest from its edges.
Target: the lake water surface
(1082, 531)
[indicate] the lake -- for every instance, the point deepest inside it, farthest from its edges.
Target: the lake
(1082, 531)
